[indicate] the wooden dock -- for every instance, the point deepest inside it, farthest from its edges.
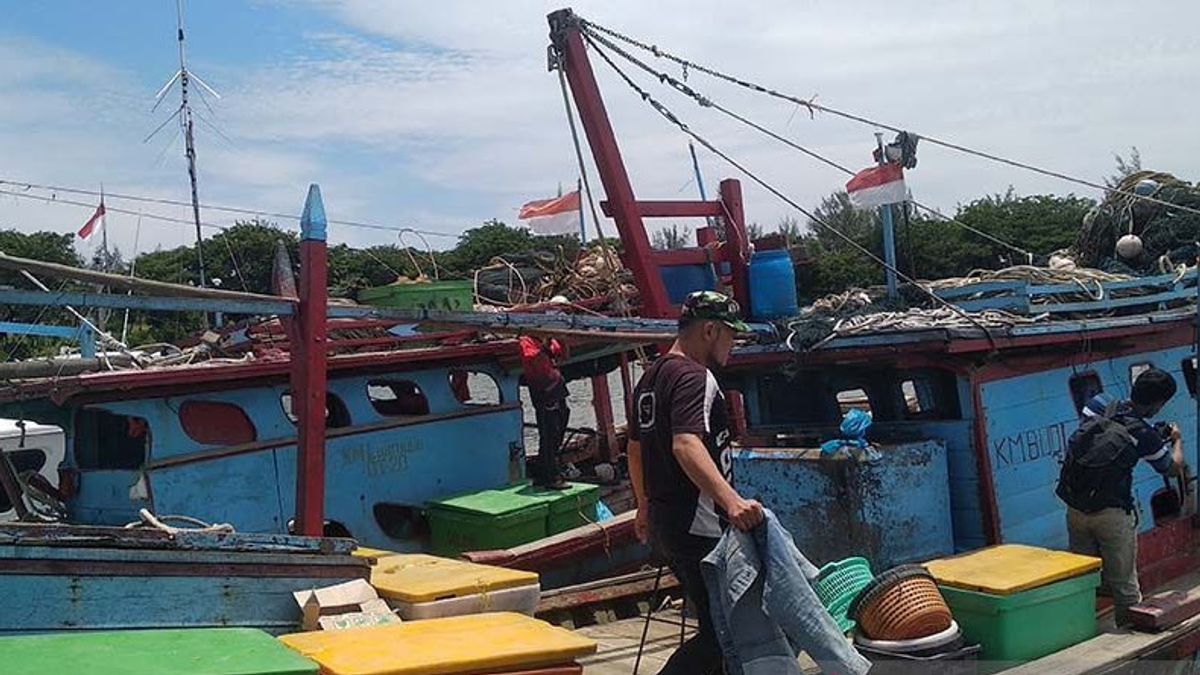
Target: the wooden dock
(619, 641)
(1112, 651)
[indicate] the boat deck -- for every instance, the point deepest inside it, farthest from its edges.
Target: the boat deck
(1111, 651)
(1114, 649)
(618, 645)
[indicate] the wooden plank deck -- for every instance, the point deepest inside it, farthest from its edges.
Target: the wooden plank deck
(1112, 651)
(619, 640)
(1115, 650)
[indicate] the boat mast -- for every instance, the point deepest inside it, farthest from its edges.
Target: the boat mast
(185, 119)
(186, 124)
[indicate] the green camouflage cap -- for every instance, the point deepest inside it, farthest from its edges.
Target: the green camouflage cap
(716, 306)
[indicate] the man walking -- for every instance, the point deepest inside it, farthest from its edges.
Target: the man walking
(680, 462)
(548, 393)
(1097, 479)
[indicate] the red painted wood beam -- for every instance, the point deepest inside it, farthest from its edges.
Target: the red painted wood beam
(308, 369)
(568, 42)
(735, 234)
(988, 504)
(606, 431)
(672, 209)
(627, 388)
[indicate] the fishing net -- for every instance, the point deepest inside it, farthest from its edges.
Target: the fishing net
(1168, 235)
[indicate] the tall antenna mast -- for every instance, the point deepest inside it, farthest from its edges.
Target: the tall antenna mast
(184, 113)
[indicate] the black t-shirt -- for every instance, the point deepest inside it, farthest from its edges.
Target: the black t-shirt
(676, 396)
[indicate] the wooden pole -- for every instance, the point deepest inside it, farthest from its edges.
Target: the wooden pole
(308, 369)
(736, 238)
(128, 283)
(602, 407)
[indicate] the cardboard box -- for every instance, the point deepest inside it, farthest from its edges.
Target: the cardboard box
(347, 605)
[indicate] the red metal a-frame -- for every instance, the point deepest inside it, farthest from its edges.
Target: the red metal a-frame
(625, 209)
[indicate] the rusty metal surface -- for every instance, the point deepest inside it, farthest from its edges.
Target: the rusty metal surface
(893, 510)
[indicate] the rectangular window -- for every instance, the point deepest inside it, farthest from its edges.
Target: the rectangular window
(1084, 386)
(851, 399)
(107, 441)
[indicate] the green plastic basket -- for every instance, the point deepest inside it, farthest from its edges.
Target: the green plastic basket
(840, 611)
(839, 582)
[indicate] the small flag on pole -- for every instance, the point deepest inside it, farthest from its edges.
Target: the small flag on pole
(559, 215)
(877, 186)
(86, 231)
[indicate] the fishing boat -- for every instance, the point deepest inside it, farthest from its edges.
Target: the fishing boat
(970, 416)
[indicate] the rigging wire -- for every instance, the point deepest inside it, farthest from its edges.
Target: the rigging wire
(707, 102)
(588, 27)
(209, 207)
(674, 119)
(611, 260)
(107, 208)
(583, 175)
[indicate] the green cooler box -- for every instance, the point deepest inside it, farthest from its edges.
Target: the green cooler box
(1020, 603)
(485, 520)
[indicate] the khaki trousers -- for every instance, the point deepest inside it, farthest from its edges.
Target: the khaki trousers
(1110, 534)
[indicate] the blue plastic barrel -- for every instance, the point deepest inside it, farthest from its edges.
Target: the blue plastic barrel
(772, 285)
(683, 279)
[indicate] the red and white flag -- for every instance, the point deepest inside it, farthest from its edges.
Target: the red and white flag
(877, 186)
(559, 215)
(86, 231)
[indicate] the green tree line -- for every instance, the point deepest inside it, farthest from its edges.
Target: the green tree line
(241, 257)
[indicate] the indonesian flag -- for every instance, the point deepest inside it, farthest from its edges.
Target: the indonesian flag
(877, 186)
(86, 231)
(552, 216)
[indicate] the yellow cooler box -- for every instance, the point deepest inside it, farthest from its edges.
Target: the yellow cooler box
(480, 643)
(423, 586)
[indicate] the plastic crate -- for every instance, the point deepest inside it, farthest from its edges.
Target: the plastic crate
(483, 521)
(456, 296)
(572, 508)
(1030, 624)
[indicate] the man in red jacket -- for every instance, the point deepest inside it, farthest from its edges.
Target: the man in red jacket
(548, 393)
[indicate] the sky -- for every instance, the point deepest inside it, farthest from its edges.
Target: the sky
(441, 115)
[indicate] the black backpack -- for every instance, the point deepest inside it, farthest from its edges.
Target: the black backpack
(1097, 472)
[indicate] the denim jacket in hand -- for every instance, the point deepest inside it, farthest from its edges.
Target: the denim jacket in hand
(765, 610)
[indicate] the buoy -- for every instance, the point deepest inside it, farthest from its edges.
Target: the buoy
(1129, 246)
(1145, 187)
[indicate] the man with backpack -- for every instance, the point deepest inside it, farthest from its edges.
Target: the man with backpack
(1096, 481)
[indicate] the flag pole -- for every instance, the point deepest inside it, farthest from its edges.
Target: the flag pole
(889, 233)
(582, 220)
(105, 261)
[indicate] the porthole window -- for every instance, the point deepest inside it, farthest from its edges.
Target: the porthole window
(475, 388)
(1083, 387)
(397, 398)
(216, 423)
(336, 413)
